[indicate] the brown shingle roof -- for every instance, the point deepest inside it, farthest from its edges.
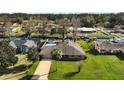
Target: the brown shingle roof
(67, 47)
(111, 46)
(71, 48)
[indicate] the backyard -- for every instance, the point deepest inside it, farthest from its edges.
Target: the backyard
(95, 67)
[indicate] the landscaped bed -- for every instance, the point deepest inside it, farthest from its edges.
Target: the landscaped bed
(95, 67)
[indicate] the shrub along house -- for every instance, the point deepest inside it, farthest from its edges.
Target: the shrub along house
(70, 51)
(22, 46)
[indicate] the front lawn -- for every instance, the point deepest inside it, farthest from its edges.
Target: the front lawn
(100, 67)
(95, 67)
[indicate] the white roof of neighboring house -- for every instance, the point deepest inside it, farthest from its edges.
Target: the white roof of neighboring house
(120, 40)
(86, 29)
(71, 28)
(30, 43)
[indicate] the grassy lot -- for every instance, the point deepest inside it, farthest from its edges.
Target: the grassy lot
(83, 44)
(56, 34)
(21, 69)
(95, 67)
(35, 34)
(98, 34)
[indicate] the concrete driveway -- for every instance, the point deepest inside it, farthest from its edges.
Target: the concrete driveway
(42, 70)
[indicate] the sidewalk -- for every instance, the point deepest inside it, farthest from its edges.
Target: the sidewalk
(42, 70)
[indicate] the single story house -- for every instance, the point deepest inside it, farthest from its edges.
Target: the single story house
(112, 30)
(109, 47)
(118, 40)
(118, 31)
(86, 30)
(70, 51)
(22, 46)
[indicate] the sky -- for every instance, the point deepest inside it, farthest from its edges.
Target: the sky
(61, 6)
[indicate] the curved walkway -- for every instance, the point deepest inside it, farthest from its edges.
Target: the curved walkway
(42, 70)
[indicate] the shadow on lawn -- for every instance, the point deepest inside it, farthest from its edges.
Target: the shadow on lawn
(16, 69)
(70, 74)
(30, 77)
(120, 56)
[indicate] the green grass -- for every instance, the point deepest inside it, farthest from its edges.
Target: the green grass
(56, 34)
(83, 44)
(32, 69)
(95, 67)
(101, 67)
(98, 34)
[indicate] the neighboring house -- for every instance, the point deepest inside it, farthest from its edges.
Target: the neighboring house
(112, 30)
(70, 51)
(118, 40)
(118, 31)
(86, 30)
(109, 47)
(22, 46)
(15, 27)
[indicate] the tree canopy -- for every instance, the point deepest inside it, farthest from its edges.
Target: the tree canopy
(7, 55)
(56, 54)
(33, 54)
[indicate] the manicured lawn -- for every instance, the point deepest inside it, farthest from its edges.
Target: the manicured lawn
(95, 67)
(32, 69)
(99, 67)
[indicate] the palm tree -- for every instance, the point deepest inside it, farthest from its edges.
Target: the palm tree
(57, 55)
